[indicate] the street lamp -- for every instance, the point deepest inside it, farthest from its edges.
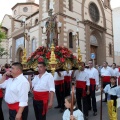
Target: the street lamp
(26, 35)
(23, 22)
(76, 37)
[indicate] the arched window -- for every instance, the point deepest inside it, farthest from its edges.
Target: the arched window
(70, 40)
(36, 21)
(11, 52)
(70, 5)
(110, 49)
(33, 44)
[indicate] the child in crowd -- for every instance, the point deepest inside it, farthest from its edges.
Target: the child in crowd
(113, 92)
(77, 114)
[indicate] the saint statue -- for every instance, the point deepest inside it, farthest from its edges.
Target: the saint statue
(51, 31)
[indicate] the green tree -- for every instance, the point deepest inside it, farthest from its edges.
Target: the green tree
(3, 52)
(2, 35)
(2, 38)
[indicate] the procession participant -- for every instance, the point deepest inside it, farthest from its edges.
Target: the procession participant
(94, 82)
(113, 92)
(106, 73)
(115, 70)
(1, 98)
(77, 114)
(59, 89)
(43, 92)
(82, 80)
(16, 94)
(67, 82)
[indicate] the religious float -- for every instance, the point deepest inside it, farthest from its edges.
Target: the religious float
(57, 58)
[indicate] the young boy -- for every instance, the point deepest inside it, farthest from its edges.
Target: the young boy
(77, 114)
(113, 92)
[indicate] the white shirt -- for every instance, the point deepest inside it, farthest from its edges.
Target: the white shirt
(93, 73)
(57, 77)
(106, 71)
(68, 73)
(16, 90)
(82, 76)
(77, 114)
(43, 84)
(115, 72)
(112, 91)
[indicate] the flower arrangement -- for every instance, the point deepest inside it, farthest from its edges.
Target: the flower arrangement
(43, 54)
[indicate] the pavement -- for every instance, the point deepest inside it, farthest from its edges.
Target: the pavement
(54, 114)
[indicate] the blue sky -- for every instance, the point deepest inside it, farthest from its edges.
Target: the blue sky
(6, 5)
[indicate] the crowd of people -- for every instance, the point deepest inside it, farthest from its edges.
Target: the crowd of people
(43, 86)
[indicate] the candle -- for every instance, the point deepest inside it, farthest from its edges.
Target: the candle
(77, 29)
(51, 5)
(73, 33)
(42, 24)
(59, 24)
(24, 19)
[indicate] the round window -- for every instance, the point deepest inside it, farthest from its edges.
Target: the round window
(25, 9)
(94, 12)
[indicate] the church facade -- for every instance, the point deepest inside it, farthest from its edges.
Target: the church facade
(95, 28)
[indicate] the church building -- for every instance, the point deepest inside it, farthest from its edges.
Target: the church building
(94, 27)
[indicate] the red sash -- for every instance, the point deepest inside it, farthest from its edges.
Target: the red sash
(67, 79)
(1, 93)
(81, 84)
(59, 82)
(92, 83)
(14, 106)
(106, 78)
(44, 96)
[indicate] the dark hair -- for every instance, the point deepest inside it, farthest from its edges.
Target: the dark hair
(43, 63)
(91, 60)
(69, 99)
(106, 62)
(6, 65)
(114, 64)
(83, 63)
(19, 65)
(113, 77)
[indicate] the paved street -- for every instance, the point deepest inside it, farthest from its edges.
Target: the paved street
(54, 114)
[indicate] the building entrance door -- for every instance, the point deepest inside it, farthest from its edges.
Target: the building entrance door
(93, 49)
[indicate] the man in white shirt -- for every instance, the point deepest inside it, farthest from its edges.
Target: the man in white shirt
(82, 80)
(16, 94)
(59, 89)
(106, 73)
(43, 91)
(94, 82)
(115, 70)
